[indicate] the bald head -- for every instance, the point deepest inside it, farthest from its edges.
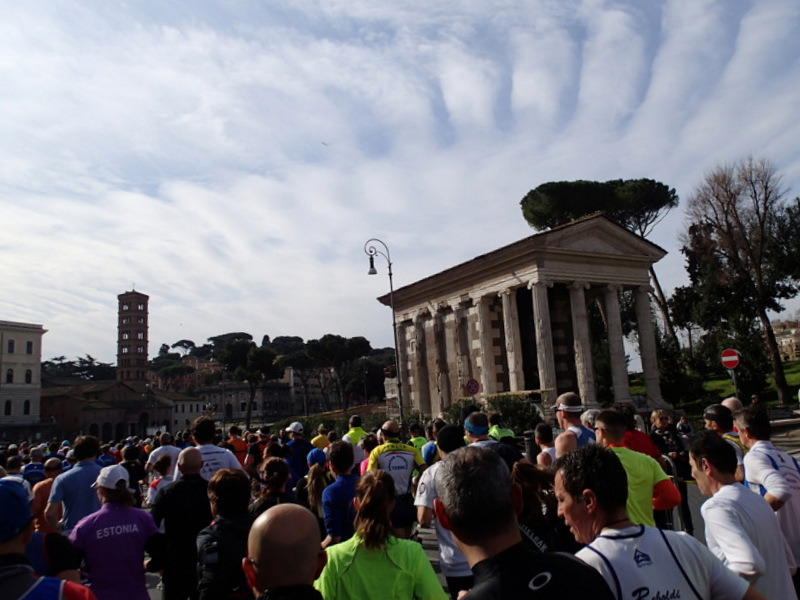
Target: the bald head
(733, 404)
(390, 429)
(52, 467)
(190, 461)
(284, 548)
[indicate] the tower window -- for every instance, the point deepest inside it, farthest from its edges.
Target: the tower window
(141, 306)
(125, 306)
(125, 335)
(11, 346)
(28, 376)
(10, 376)
(29, 347)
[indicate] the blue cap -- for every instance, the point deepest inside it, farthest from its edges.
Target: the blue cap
(15, 509)
(316, 457)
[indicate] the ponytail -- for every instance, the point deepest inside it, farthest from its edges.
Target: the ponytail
(375, 493)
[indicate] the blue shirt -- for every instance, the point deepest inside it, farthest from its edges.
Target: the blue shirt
(33, 473)
(74, 489)
(337, 506)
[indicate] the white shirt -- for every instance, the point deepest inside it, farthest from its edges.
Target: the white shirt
(638, 562)
(451, 560)
(742, 531)
(767, 469)
(214, 459)
(173, 452)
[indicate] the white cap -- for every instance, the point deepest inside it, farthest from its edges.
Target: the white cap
(295, 427)
(109, 477)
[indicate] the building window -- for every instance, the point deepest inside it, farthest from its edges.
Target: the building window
(26, 408)
(10, 376)
(7, 409)
(140, 349)
(183, 408)
(11, 346)
(125, 335)
(140, 335)
(141, 306)
(126, 320)
(140, 320)
(242, 406)
(124, 349)
(28, 347)
(125, 306)
(28, 376)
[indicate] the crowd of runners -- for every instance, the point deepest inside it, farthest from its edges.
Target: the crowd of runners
(296, 514)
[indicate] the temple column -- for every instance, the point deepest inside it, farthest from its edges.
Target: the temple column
(582, 343)
(647, 346)
(486, 353)
(545, 357)
(443, 395)
(422, 379)
(516, 377)
(404, 390)
(461, 346)
(616, 346)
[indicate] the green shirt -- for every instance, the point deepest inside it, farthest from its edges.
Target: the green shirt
(643, 474)
(498, 433)
(418, 442)
(400, 571)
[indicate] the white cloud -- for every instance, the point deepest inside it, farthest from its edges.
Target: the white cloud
(231, 160)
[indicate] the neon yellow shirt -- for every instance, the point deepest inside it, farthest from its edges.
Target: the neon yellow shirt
(401, 570)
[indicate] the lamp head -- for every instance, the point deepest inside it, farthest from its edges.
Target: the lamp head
(372, 270)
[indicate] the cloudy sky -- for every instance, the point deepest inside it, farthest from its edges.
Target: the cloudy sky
(230, 159)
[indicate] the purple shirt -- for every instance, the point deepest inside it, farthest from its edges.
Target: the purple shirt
(113, 540)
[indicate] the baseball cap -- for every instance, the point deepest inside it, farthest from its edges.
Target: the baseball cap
(15, 508)
(109, 477)
(295, 427)
(316, 457)
(568, 402)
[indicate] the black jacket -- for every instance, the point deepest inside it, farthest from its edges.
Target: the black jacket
(220, 549)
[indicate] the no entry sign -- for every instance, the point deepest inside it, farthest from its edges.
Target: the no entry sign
(730, 358)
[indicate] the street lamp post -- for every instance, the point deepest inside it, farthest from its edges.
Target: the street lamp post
(372, 251)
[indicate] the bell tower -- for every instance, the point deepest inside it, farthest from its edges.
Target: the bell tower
(132, 339)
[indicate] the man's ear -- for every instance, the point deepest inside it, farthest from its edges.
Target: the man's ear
(516, 497)
(249, 573)
(590, 500)
(441, 516)
(322, 560)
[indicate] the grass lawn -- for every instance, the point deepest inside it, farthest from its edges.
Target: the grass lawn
(723, 387)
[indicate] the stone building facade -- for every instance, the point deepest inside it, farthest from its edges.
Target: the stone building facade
(20, 374)
(516, 319)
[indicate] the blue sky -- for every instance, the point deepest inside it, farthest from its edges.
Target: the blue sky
(230, 159)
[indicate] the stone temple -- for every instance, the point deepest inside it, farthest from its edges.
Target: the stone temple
(516, 319)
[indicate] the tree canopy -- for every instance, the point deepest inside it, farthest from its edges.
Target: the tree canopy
(636, 204)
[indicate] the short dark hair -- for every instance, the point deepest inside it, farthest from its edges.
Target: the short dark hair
(719, 414)
(414, 427)
(719, 452)
(613, 423)
(494, 418)
(439, 424)
(592, 467)
(130, 453)
(229, 490)
(355, 421)
(86, 446)
(203, 430)
(476, 511)
(756, 421)
(341, 456)
(162, 464)
(544, 432)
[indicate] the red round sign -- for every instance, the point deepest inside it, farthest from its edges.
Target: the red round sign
(472, 387)
(730, 358)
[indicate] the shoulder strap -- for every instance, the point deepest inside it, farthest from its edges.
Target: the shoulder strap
(611, 569)
(680, 566)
